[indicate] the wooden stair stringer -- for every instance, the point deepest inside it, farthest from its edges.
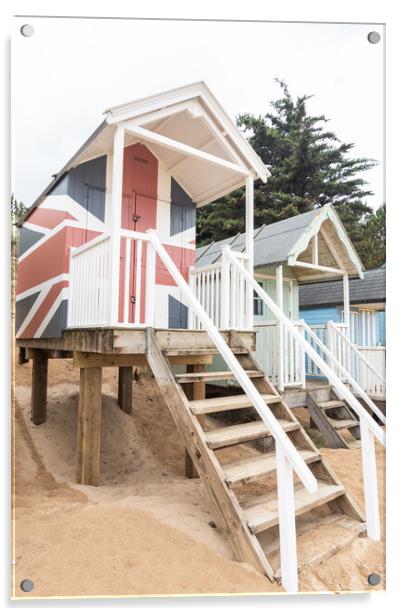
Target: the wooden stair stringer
(245, 545)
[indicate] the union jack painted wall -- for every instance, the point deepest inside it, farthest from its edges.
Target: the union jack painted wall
(75, 211)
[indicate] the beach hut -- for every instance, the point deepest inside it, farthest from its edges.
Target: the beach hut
(313, 246)
(105, 256)
(322, 304)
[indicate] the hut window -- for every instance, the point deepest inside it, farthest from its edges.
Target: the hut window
(258, 304)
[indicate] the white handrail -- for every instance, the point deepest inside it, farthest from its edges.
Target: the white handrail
(288, 458)
(345, 373)
(350, 344)
(369, 428)
(74, 252)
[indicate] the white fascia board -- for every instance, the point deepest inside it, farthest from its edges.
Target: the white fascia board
(327, 212)
(142, 107)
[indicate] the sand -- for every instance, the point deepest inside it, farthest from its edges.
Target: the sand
(146, 529)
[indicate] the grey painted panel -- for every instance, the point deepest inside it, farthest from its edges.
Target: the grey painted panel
(22, 307)
(61, 188)
(86, 184)
(27, 239)
(57, 323)
(178, 314)
(182, 209)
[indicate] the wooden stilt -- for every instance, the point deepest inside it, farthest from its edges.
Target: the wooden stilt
(194, 391)
(89, 426)
(125, 389)
(39, 386)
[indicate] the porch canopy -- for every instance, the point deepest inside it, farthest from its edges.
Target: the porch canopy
(314, 244)
(189, 132)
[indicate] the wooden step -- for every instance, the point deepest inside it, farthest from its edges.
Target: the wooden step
(263, 513)
(209, 351)
(242, 433)
(196, 377)
(252, 468)
(227, 403)
(331, 404)
(341, 424)
(318, 539)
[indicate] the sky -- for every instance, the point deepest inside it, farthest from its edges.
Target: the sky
(71, 70)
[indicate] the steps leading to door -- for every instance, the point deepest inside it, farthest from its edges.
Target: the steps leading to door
(239, 478)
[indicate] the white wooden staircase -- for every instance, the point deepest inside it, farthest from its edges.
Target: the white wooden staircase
(242, 480)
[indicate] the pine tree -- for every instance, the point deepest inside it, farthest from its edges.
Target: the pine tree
(371, 247)
(309, 167)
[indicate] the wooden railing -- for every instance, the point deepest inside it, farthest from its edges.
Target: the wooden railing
(89, 297)
(369, 429)
(366, 365)
(286, 368)
(359, 362)
(90, 281)
(222, 292)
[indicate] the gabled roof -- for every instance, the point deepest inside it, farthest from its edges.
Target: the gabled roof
(190, 115)
(287, 240)
(370, 290)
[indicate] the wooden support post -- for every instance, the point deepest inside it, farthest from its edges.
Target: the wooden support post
(89, 426)
(280, 355)
(194, 391)
(125, 389)
(39, 386)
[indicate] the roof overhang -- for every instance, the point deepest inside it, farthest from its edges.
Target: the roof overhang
(336, 254)
(189, 132)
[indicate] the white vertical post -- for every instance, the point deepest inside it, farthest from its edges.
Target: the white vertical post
(287, 521)
(225, 290)
(249, 246)
(150, 286)
(126, 294)
(370, 482)
(115, 222)
(346, 306)
(138, 275)
(191, 280)
(279, 301)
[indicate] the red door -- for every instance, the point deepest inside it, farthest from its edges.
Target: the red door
(140, 177)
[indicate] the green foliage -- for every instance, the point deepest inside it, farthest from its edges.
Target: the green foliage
(18, 209)
(371, 246)
(309, 167)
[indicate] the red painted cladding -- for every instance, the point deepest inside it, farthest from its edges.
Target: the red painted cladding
(48, 218)
(51, 258)
(140, 187)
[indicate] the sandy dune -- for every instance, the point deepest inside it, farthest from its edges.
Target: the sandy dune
(145, 529)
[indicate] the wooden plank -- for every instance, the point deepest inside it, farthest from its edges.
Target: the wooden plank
(214, 376)
(39, 386)
(107, 360)
(89, 426)
(245, 546)
(331, 404)
(341, 424)
(196, 351)
(250, 469)
(228, 403)
(125, 389)
(194, 391)
(264, 513)
(92, 340)
(331, 436)
(242, 433)
(186, 360)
